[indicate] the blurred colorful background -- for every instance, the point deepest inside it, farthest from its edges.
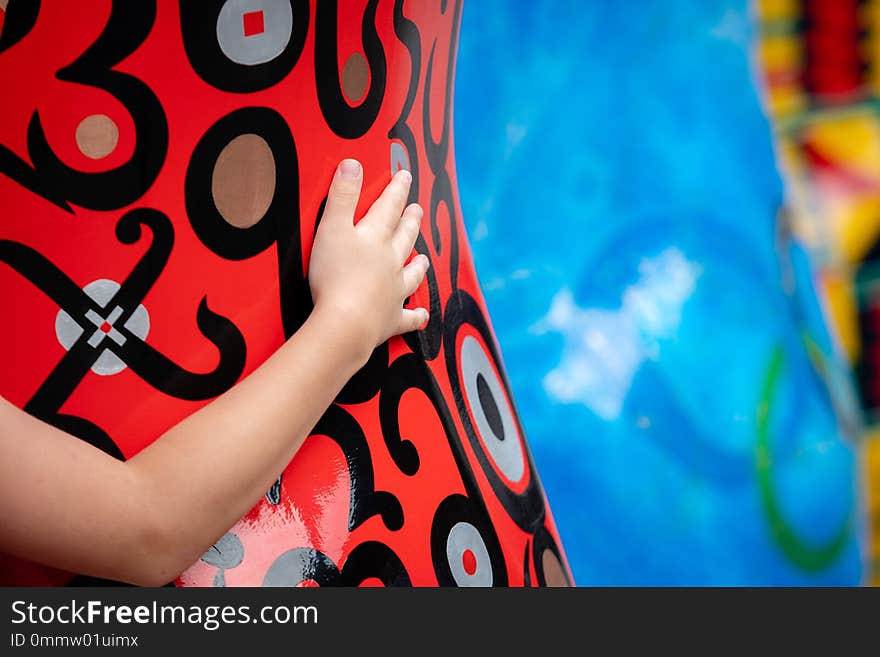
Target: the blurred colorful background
(674, 209)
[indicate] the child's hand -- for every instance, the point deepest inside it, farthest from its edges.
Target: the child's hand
(357, 273)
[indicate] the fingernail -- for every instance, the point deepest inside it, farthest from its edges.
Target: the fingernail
(350, 169)
(425, 315)
(427, 263)
(404, 175)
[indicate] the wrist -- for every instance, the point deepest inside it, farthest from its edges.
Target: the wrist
(338, 328)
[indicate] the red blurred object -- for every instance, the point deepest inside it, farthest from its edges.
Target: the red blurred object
(833, 61)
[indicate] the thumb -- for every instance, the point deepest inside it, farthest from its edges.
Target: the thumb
(345, 190)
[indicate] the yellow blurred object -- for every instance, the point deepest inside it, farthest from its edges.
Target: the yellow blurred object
(771, 10)
(841, 297)
(872, 493)
(819, 66)
(780, 53)
(779, 56)
(859, 228)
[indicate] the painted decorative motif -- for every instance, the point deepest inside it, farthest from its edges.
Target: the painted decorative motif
(161, 173)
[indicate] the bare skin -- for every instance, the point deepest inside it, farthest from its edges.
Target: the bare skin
(69, 505)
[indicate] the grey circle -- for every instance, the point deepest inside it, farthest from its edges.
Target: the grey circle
(68, 331)
(289, 569)
(227, 552)
(464, 536)
(399, 157)
(507, 452)
(257, 48)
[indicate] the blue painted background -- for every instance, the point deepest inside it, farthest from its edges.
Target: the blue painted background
(620, 195)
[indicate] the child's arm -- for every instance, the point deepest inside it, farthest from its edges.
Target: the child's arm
(71, 506)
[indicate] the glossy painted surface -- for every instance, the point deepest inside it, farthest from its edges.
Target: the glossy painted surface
(195, 199)
(664, 340)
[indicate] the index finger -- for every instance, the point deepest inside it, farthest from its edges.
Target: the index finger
(385, 213)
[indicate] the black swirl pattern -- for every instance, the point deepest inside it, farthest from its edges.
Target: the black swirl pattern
(20, 17)
(370, 559)
(366, 501)
(280, 225)
(155, 368)
(236, 49)
(526, 508)
(127, 28)
(346, 121)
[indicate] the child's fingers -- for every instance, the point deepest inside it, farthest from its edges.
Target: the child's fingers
(412, 320)
(407, 232)
(385, 212)
(414, 273)
(345, 190)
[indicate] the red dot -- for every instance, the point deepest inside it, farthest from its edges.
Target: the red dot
(252, 23)
(469, 561)
(106, 328)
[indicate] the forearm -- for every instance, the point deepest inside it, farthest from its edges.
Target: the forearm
(69, 505)
(246, 436)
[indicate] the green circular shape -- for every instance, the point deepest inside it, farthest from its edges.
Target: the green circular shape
(811, 558)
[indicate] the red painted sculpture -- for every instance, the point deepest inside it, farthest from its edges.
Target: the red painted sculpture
(162, 169)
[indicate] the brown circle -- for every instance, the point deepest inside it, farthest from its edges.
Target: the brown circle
(97, 136)
(355, 74)
(554, 573)
(243, 182)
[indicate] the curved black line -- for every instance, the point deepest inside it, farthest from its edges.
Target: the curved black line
(405, 373)
(280, 224)
(86, 431)
(44, 275)
(148, 269)
(20, 18)
(469, 507)
(427, 342)
(452, 510)
(346, 121)
(367, 381)
(374, 559)
(221, 237)
(364, 500)
(437, 152)
(168, 377)
(127, 28)
(526, 509)
(408, 34)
